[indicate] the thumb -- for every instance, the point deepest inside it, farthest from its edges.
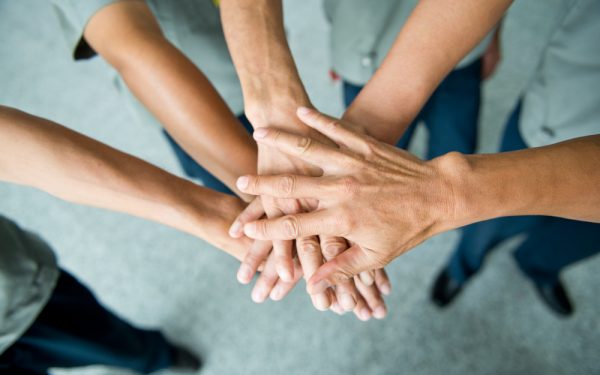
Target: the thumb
(341, 268)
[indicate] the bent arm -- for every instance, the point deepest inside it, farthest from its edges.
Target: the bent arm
(73, 167)
(437, 35)
(127, 35)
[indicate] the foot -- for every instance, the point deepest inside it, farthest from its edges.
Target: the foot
(184, 360)
(445, 289)
(556, 298)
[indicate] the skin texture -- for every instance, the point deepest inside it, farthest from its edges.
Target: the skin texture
(369, 189)
(437, 35)
(127, 35)
(171, 87)
(272, 91)
(47, 156)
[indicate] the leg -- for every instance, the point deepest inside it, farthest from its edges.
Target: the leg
(195, 170)
(453, 112)
(479, 238)
(554, 245)
(75, 330)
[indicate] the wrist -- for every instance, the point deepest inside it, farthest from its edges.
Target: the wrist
(463, 204)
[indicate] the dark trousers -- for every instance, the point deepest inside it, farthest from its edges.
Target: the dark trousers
(195, 170)
(451, 114)
(74, 330)
(551, 245)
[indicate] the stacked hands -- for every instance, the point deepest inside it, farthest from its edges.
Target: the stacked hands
(345, 171)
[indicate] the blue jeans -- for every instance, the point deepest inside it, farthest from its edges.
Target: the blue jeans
(195, 170)
(74, 330)
(451, 114)
(551, 245)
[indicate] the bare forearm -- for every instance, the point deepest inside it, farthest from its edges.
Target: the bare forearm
(558, 180)
(435, 38)
(173, 89)
(270, 81)
(73, 167)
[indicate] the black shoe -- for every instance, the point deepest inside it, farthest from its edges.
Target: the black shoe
(445, 289)
(556, 298)
(184, 360)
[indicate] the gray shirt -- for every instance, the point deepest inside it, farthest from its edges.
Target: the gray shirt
(563, 100)
(28, 274)
(193, 26)
(363, 31)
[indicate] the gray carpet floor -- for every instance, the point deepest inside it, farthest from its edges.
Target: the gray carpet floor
(158, 277)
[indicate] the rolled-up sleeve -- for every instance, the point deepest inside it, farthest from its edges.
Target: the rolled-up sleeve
(73, 16)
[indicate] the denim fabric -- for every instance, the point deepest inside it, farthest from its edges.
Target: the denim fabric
(551, 244)
(451, 114)
(195, 170)
(74, 330)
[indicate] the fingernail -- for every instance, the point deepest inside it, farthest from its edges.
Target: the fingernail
(242, 182)
(276, 293)
(321, 302)
(236, 229)
(258, 295)
(347, 301)
(380, 312)
(303, 111)
(285, 274)
(318, 287)
(335, 307)
(250, 230)
(365, 314)
(386, 289)
(260, 133)
(244, 274)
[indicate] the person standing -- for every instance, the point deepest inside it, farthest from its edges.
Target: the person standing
(362, 33)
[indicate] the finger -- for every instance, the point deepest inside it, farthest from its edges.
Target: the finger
(333, 129)
(309, 254)
(254, 258)
(324, 222)
(252, 212)
(282, 288)
(282, 251)
(362, 310)
(346, 265)
(367, 277)
(373, 298)
(287, 186)
(265, 282)
(345, 291)
(383, 281)
(329, 158)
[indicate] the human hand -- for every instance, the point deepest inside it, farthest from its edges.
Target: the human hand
(311, 251)
(369, 190)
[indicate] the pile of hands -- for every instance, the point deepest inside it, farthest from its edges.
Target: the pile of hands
(334, 206)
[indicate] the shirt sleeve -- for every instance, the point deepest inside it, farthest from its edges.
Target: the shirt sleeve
(73, 16)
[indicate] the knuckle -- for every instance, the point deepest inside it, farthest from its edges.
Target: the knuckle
(331, 251)
(287, 185)
(291, 226)
(308, 247)
(341, 276)
(303, 144)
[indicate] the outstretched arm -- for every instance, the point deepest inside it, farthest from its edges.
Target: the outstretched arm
(370, 189)
(437, 35)
(73, 167)
(128, 36)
